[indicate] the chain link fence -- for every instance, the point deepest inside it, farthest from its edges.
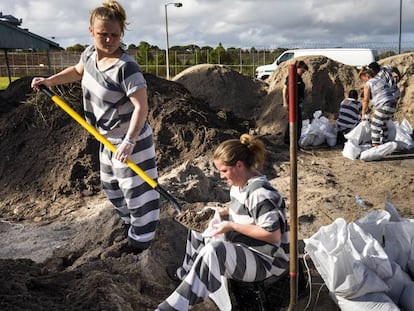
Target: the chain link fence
(34, 63)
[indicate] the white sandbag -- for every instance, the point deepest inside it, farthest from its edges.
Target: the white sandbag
(377, 153)
(396, 238)
(331, 140)
(403, 136)
(406, 127)
(397, 283)
(349, 260)
(306, 138)
(318, 129)
(407, 297)
(351, 150)
(360, 134)
(369, 302)
(318, 139)
(395, 216)
(392, 130)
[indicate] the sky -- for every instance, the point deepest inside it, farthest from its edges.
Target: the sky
(263, 24)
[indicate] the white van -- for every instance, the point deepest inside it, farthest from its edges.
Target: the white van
(352, 57)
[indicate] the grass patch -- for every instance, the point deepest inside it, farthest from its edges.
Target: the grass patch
(4, 82)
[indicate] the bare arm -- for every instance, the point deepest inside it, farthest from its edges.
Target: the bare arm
(68, 75)
(250, 230)
(285, 95)
(365, 101)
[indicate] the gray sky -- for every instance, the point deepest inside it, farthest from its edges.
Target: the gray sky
(241, 23)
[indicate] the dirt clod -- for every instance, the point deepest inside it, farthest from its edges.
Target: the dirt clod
(196, 220)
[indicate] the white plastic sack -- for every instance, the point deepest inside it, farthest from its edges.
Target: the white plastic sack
(318, 131)
(396, 283)
(396, 237)
(392, 130)
(351, 150)
(210, 232)
(307, 136)
(360, 134)
(407, 297)
(403, 135)
(350, 261)
(319, 128)
(377, 153)
(369, 302)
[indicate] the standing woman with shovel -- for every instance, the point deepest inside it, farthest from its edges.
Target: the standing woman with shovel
(115, 103)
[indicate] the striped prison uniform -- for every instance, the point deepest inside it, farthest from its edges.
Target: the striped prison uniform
(385, 107)
(385, 73)
(108, 108)
(349, 114)
(208, 262)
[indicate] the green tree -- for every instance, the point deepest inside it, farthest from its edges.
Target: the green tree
(76, 48)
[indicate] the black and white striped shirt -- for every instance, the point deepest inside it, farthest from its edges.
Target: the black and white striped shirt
(349, 114)
(260, 204)
(105, 92)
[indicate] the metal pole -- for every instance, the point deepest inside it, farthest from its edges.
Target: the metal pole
(167, 62)
(399, 33)
(8, 66)
(293, 114)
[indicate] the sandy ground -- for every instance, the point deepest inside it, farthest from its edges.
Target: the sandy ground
(56, 223)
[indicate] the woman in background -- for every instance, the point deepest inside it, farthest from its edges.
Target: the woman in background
(383, 100)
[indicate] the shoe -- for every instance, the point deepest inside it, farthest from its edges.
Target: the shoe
(172, 273)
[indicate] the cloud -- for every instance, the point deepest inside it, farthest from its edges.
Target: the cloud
(241, 23)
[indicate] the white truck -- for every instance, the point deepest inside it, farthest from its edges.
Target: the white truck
(353, 57)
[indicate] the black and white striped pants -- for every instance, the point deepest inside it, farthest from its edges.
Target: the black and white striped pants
(207, 264)
(379, 128)
(135, 201)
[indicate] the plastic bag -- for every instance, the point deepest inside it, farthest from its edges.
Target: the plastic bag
(396, 237)
(318, 131)
(403, 136)
(407, 297)
(351, 262)
(360, 134)
(369, 302)
(377, 153)
(351, 150)
(392, 130)
(210, 232)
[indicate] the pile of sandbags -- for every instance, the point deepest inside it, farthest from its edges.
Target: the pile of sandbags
(367, 264)
(358, 144)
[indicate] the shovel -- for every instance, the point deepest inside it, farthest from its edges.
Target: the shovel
(102, 139)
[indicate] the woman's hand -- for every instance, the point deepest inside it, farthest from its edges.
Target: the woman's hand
(124, 150)
(223, 227)
(223, 211)
(37, 81)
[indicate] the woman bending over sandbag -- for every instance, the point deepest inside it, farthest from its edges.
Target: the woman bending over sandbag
(383, 100)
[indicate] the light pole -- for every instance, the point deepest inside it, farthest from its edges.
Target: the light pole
(167, 60)
(399, 33)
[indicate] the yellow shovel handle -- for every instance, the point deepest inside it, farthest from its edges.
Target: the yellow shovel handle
(62, 104)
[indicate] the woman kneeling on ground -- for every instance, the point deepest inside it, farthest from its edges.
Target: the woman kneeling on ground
(256, 238)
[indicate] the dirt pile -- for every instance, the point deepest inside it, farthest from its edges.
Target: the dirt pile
(52, 206)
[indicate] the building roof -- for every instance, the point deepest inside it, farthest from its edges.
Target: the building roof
(13, 37)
